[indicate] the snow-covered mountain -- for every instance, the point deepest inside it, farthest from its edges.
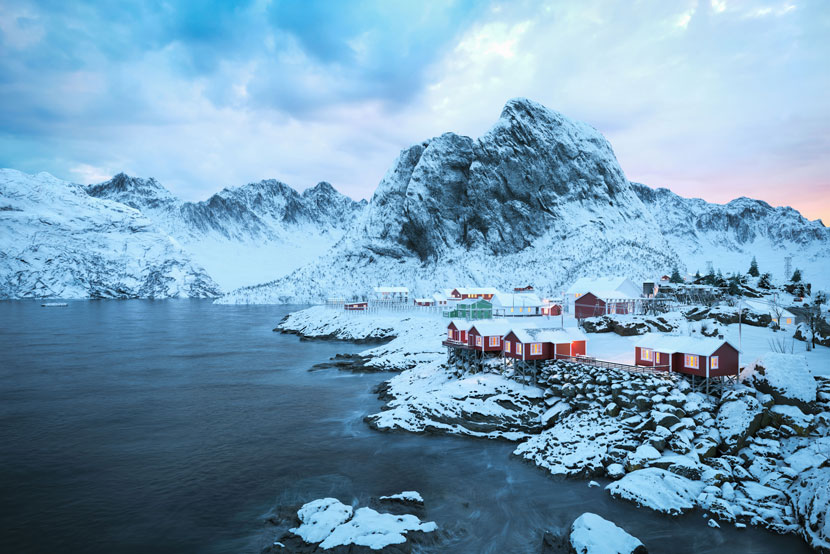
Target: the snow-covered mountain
(538, 199)
(243, 235)
(57, 241)
(729, 235)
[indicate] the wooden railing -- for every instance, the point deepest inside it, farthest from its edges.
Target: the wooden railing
(614, 365)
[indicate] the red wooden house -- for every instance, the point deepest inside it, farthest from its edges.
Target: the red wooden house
(358, 306)
(466, 293)
(487, 336)
(594, 304)
(552, 309)
(539, 343)
(457, 331)
(700, 356)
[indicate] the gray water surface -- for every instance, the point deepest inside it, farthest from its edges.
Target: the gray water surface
(178, 426)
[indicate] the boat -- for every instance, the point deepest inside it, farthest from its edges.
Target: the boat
(54, 305)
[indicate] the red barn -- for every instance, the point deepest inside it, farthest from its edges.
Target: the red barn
(539, 343)
(595, 304)
(359, 306)
(700, 356)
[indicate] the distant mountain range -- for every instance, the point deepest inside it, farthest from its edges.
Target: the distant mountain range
(537, 199)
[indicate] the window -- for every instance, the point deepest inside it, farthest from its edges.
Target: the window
(788, 320)
(713, 362)
(507, 346)
(656, 357)
(478, 340)
(519, 348)
(535, 348)
(463, 335)
(647, 354)
(494, 341)
(692, 361)
(449, 334)
(520, 309)
(511, 310)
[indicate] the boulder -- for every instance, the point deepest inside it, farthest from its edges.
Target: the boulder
(784, 376)
(657, 489)
(592, 534)
(737, 420)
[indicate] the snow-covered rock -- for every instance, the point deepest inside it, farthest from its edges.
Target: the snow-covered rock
(330, 524)
(413, 497)
(811, 497)
(592, 534)
(576, 445)
(657, 489)
(786, 377)
(739, 417)
(57, 241)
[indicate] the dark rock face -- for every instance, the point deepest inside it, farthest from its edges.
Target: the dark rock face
(498, 192)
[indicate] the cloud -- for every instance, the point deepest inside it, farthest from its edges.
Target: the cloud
(715, 99)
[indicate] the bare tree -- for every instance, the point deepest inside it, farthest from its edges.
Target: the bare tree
(782, 346)
(776, 311)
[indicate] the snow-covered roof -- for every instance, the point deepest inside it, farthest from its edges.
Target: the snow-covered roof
(601, 284)
(469, 301)
(555, 335)
(476, 290)
(764, 307)
(489, 328)
(607, 295)
(424, 300)
(439, 297)
(392, 289)
(510, 299)
(460, 324)
(670, 344)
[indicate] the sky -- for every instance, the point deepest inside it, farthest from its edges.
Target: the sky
(709, 98)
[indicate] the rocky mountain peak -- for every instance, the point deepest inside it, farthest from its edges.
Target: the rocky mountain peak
(141, 194)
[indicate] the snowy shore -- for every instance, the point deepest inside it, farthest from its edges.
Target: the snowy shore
(756, 454)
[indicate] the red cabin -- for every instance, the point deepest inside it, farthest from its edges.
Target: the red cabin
(487, 336)
(466, 293)
(544, 343)
(553, 309)
(595, 304)
(457, 331)
(359, 306)
(701, 356)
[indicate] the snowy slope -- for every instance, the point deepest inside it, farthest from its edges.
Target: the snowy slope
(729, 235)
(57, 241)
(538, 199)
(243, 235)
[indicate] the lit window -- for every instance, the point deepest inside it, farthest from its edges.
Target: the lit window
(449, 334)
(478, 340)
(789, 320)
(511, 310)
(507, 346)
(520, 309)
(713, 362)
(692, 361)
(535, 348)
(646, 354)
(494, 341)
(519, 348)
(657, 357)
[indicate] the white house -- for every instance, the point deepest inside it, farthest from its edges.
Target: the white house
(616, 286)
(513, 304)
(787, 319)
(391, 294)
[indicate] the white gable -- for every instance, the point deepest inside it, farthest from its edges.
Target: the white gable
(606, 285)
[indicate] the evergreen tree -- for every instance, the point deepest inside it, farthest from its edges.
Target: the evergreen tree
(765, 282)
(675, 276)
(796, 276)
(753, 268)
(710, 277)
(734, 288)
(697, 275)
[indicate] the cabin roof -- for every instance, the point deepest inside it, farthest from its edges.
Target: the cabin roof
(671, 344)
(509, 299)
(555, 335)
(607, 295)
(476, 290)
(612, 283)
(490, 328)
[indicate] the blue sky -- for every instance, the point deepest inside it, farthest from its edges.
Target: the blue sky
(717, 99)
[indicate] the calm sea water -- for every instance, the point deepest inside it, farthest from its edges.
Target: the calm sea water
(178, 426)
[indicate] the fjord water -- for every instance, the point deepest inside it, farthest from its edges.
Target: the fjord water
(178, 426)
